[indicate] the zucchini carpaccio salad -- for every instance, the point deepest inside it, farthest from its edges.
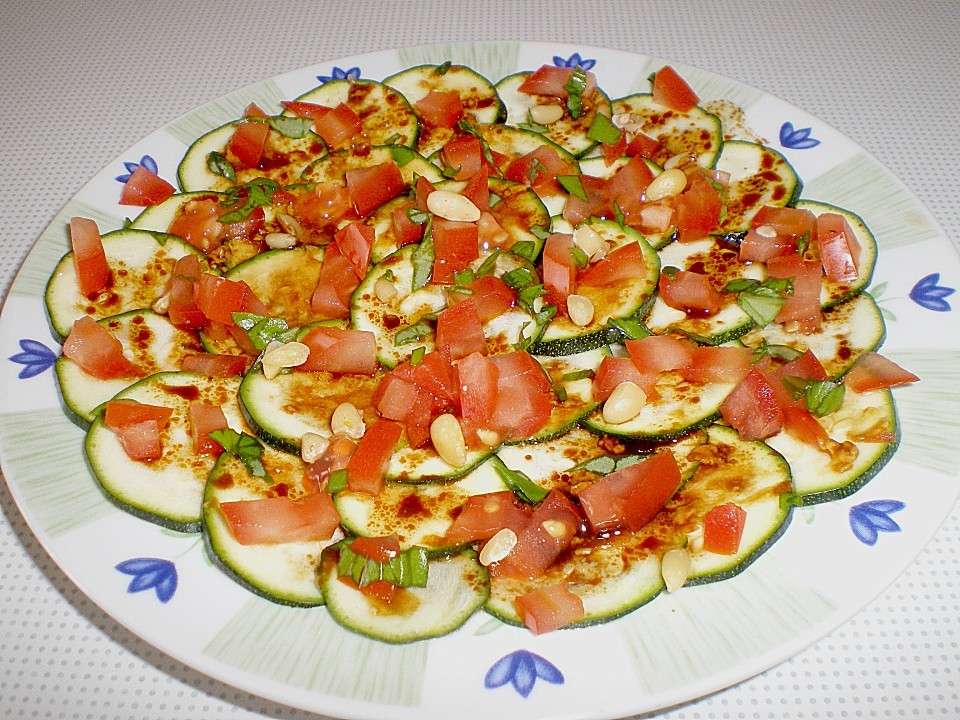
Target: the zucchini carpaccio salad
(418, 347)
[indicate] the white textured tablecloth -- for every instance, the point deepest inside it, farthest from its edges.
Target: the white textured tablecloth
(80, 82)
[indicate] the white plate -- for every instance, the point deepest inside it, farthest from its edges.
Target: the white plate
(832, 560)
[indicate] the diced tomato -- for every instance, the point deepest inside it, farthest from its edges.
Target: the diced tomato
(219, 297)
(275, 520)
(417, 425)
(371, 187)
(89, 258)
(454, 246)
(197, 223)
(338, 126)
(253, 111)
(803, 306)
(613, 151)
(337, 281)
(477, 377)
(549, 608)
(672, 91)
(309, 110)
(653, 218)
(340, 351)
(616, 370)
(438, 377)
(204, 419)
(839, 248)
(630, 498)
(643, 146)
(141, 440)
(551, 80)
(322, 206)
(626, 263)
(697, 208)
(752, 409)
(539, 168)
(718, 365)
(524, 396)
(379, 549)
(213, 365)
(144, 188)
(538, 546)
(440, 109)
(183, 309)
(659, 353)
(381, 592)
(464, 154)
(423, 189)
(245, 230)
(355, 241)
(491, 296)
(873, 371)
(788, 224)
(335, 457)
(690, 291)
(801, 424)
(459, 332)
(97, 352)
(369, 463)
(120, 413)
(245, 147)
(405, 230)
(807, 366)
(397, 397)
(483, 516)
(759, 248)
(597, 204)
(723, 528)
(559, 267)
(490, 234)
(477, 190)
(626, 187)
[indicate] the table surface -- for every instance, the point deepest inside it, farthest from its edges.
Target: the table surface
(82, 81)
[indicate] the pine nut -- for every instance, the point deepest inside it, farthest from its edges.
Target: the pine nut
(666, 184)
(448, 440)
(283, 355)
(161, 305)
(767, 231)
(624, 404)
(488, 437)
(291, 225)
(451, 206)
(546, 114)
(676, 161)
(312, 446)
(589, 240)
(385, 290)
(625, 119)
(498, 547)
(675, 568)
(347, 420)
(555, 528)
(580, 309)
(280, 240)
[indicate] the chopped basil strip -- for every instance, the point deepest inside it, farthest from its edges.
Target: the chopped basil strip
(417, 216)
(761, 309)
(824, 397)
(408, 568)
(219, 165)
(781, 352)
(560, 391)
(412, 333)
(291, 127)
(393, 139)
(521, 485)
(796, 385)
(603, 130)
(463, 277)
(422, 259)
(572, 184)
(803, 242)
(519, 278)
(493, 200)
(531, 125)
(417, 356)
(337, 482)
(442, 69)
(530, 293)
(539, 232)
(450, 172)
(603, 465)
(577, 375)
(631, 329)
(261, 329)
(488, 265)
(670, 271)
(533, 172)
(526, 249)
(389, 276)
(470, 129)
(245, 448)
(402, 154)
(580, 258)
(575, 87)
(254, 194)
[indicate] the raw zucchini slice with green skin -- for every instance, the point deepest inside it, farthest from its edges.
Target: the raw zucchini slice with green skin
(149, 340)
(290, 157)
(384, 112)
(575, 400)
(386, 318)
(759, 176)
(456, 587)
(157, 218)
(694, 132)
(820, 478)
(140, 264)
(167, 491)
(285, 573)
(849, 330)
(480, 101)
(418, 514)
(626, 299)
(332, 168)
(569, 133)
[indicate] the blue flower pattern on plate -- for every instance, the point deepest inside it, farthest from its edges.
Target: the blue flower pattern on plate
(339, 73)
(869, 519)
(796, 139)
(522, 668)
(161, 575)
(574, 61)
(35, 358)
(930, 294)
(146, 161)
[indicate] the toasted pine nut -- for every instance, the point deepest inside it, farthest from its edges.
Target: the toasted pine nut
(675, 568)
(161, 305)
(624, 404)
(385, 290)
(546, 114)
(580, 309)
(767, 231)
(452, 206)
(622, 120)
(291, 225)
(312, 446)
(283, 355)
(498, 547)
(447, 437)
(676, 161)
(666, 184)
(347, 420)
(589, 240)
(488, 437)
(555, 528)
(280, 241)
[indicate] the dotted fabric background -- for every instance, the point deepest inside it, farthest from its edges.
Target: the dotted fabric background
(83, 81)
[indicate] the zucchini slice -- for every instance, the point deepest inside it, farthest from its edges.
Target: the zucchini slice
(456, 587)
(285, 573)
(695, 132)
(479, 98)
(332, 168)
(849, 330)
(168, 491)
(626, 299)
(568, 133)
(140, 264)
(385, 113)
(866, 420)
(418, 514)
(149, 340)
(157, 218)
(759, 175)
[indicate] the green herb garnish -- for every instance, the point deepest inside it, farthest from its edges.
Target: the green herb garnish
(422, 258)
(577, 375)
(416, 357)
(417, 216)
(630, 328)
(337, 482)
(409, 568)
(262, 330)
(519, 278)
(532, 126)
(521, 485)
(259, 192)
(527, 249)
(539, 232)
(559, 391)
(219, 165)
(824, 396)
(443, 67)
(533, 172)
(575, 87)
(761, 301)
(291, 127)
(245, 448)
(411, 334)
(579, 257)
(402, 155)
(603, 130)
(573, 185)
(488, 265)
(781, 352)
